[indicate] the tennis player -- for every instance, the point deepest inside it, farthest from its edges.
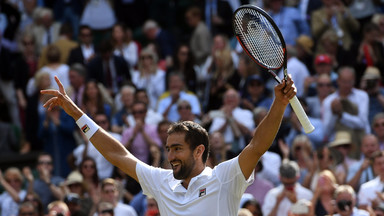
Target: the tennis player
(190, 187)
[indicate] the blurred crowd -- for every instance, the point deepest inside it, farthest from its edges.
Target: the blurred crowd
(137, 66)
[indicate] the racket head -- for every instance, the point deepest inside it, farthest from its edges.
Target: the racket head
(260, 37)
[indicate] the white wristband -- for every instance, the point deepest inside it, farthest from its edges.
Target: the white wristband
(87, 126)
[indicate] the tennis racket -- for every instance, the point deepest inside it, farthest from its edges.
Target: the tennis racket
(262, 40)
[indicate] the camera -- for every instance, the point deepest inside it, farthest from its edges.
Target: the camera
(344, 205)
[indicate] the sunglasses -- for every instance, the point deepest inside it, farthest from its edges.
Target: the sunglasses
(378, 124)
(138, 112)
(45, 162)
(183, 107)
(324, 84)
(107, 211)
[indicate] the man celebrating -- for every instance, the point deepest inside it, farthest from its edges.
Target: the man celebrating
(190, 188)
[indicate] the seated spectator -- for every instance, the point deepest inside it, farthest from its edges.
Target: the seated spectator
(27, 208)
(371, 83)
(152, 117)
(86, 50)
(119, 120)
(142, 138)
(58, 207)
(378, 128)
(323, 194)
(148, 76)
(370, 193)
(77, 197)
(343, 145)
(345, 199)
(34, 199)
(229, 120)
(47, 185)
(220, 151)
(256, 94)
(109, 193)
(362, 171)
(185, 112)
(91, 180)
(77, 76)
(94, 100)
(105, 209)
(14, 194)
(96, 160)
(324, 88)
(279, 200)
(168, 103)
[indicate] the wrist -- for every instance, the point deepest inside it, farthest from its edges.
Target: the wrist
(87, 126)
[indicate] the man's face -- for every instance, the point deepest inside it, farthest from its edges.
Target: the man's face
(378, 127)
(102, 121)
(369, 145)
(27, 211)
(86, 36)
(109, 193)
(44, 163)
(139, 111)
(180, 156)
(289, 183)
(75, 79)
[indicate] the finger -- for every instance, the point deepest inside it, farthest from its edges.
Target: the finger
(49, 102)
(50, 92)
(61, 87)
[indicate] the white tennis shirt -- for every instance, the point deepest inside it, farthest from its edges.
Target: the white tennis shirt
(215, 191)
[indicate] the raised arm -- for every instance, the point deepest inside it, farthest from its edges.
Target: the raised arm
(266, 132)
(109, 147)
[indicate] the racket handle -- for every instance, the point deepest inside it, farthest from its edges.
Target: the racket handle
(301, 115)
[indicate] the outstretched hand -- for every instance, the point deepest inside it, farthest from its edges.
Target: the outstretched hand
(61, 99)
(285, 91)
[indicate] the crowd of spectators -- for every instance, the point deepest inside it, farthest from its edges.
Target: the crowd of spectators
(137, 66)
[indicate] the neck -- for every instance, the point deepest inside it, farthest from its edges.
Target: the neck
(185, 182)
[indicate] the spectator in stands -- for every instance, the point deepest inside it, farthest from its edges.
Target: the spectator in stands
(378, 128)
(34, 199)
(14, 194)
(324, 88)
(64, 43)
(164, 41)
(256, 94)
(34, 103)
(279, 199)
(185, 112)
(142, 138)
(76, 194)
(323, 65)
(323, 194)
(229, 120)
(343, 145)
(109, 193)
(56, 132)
(168, 103)
(58, 207)
(336, 16)
(345, 199)
(246, 68)
(346, 109)
(220, 151)
(221, 77)
(25, 67)
(27, 208)
(119, 121)
(288, 19)
(48, 31)
(105, 209)
(305, 47)
(362, 171)
(110, 70)
(149, 76)
(46, 185)
(124, 45)
(370, 193)
(184, 64)
(86, 50)
(162, 129)
(77, 76)
(371, 83)
(94, 101)
(201, 39)
(87, 153)
(91, 179)
(152, 117)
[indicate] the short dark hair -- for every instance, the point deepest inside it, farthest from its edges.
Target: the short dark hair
(195, 135)
(289, 169)
(53, 54)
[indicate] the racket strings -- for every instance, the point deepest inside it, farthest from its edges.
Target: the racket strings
(260, 38)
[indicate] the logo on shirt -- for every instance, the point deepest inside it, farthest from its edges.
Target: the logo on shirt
(202, 192)
(85, 128)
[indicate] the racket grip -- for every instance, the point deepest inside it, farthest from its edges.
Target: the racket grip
(301, 115)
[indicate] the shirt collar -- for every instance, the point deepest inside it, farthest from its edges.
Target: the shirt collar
(176, 186)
